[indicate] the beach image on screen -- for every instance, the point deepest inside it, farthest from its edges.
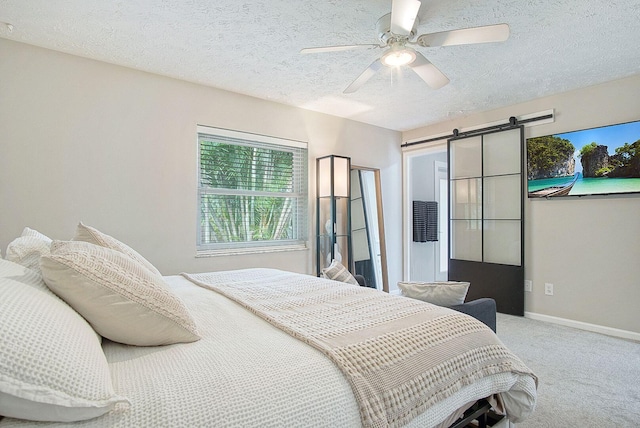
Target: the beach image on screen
(594, 161)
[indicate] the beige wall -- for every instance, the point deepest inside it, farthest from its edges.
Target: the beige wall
(116, 148)
(589, 248)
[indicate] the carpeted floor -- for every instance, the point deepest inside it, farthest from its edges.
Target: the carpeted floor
(584, 379)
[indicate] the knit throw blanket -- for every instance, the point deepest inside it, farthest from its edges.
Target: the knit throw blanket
(400, 355)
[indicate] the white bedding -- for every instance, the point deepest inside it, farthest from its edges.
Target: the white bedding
(244, 372)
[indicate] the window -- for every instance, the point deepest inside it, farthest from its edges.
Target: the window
(252, 193)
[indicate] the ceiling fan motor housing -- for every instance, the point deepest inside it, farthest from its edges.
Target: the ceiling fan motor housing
(383, 26)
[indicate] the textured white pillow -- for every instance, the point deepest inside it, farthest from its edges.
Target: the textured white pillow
(52, 367)
(28, 248)
(446, 293)
(338, 272)
(120, 298)
(90, 234)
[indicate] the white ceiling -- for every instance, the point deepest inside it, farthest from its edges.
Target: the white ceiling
(252, 47)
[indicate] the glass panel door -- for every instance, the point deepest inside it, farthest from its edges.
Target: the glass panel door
(486, 208)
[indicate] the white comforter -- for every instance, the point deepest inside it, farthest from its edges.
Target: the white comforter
(244, 372)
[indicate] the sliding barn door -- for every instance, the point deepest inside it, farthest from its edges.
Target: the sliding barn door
(486, 210)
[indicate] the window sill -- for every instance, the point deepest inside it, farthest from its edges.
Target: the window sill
(250, 250)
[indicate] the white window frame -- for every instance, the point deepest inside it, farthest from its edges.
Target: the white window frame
(301, 215)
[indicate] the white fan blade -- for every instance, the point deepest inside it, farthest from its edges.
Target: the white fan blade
(362, 79)
(337, 48)
(403, 16)
(466, 36)
(428, 72)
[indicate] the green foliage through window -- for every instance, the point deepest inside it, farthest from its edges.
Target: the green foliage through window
(251, 193)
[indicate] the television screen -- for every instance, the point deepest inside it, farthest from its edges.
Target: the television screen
(596, 161)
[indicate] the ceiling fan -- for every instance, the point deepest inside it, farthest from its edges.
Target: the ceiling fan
(396, 31)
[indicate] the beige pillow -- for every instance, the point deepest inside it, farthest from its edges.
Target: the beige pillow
(28, 248)
(89, 234)
(338, 272)
(447, 293)
(120, 298)
(52, 367)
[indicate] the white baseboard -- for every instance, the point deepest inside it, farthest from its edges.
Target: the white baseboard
(610, 331)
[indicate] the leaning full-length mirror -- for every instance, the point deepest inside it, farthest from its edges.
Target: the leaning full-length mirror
(367, 227)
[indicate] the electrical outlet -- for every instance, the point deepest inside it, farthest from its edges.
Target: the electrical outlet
(548, 289)
(528, 285)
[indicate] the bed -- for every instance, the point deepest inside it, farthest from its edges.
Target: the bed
(260, 359)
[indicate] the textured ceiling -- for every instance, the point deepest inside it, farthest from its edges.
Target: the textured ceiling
(252, 47)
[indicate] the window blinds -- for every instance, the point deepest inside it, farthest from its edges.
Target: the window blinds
(251, 193)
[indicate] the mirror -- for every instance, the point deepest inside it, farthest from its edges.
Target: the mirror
(367, 227)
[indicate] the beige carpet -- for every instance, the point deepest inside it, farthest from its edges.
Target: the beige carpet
(585, 379)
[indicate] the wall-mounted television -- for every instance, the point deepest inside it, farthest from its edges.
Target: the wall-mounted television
(595, 161)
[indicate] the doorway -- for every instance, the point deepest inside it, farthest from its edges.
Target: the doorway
(426, 179)
(441, 186)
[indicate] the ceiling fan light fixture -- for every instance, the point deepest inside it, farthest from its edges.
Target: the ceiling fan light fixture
(396, 57)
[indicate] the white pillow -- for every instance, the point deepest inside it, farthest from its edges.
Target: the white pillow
(446, 293)
(338, 272)
(28, 248)
(120, 298)
(52, 367)
(89, 234)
